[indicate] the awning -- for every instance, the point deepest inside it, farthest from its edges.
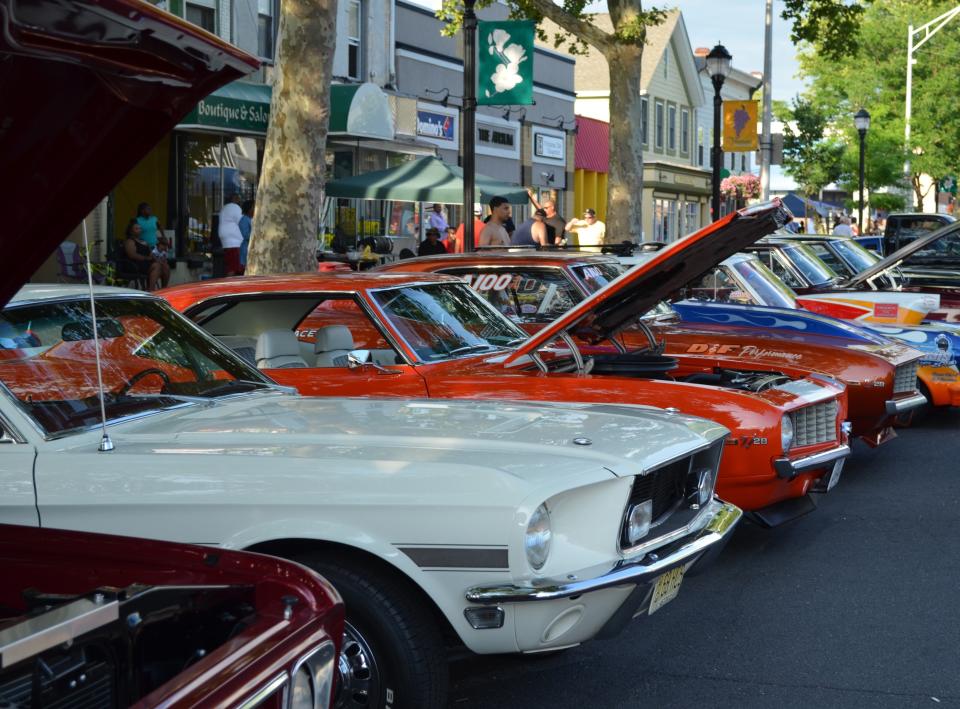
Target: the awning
(239, 107)
(592, 145)
(361, 110)
(423, 180)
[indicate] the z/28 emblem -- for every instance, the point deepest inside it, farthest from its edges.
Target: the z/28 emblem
(747, 441)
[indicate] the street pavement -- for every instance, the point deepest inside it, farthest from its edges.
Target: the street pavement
(855, 605)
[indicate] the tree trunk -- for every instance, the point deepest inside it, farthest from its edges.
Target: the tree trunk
(284, 236)
(625, 185)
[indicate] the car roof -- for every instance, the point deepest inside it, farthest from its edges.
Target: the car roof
(184, 295)
(526, 258)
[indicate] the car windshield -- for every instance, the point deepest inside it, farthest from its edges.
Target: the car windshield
(151, 358)
(597, 275)
(855, 255)
(446, 320)
(764, 283)
(813, 269)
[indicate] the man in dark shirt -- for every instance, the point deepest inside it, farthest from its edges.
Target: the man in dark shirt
(432, 245)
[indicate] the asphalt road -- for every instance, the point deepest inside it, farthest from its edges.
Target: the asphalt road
(855, 605)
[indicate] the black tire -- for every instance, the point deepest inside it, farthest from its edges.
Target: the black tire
(393, 655)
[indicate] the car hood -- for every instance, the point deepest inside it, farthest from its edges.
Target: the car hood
(118, 76)
(634, 293)
(900, 255)
(537, 442)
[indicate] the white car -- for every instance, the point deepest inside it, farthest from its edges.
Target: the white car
(521, 528)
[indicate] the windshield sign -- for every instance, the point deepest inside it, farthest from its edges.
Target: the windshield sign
(150, 356)
(443, 321)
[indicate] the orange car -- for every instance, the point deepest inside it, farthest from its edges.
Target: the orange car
(378, 334)
(533, 288)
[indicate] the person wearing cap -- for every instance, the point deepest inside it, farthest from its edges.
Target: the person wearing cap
(437, 220)
(532, 232)
(431, 245)
(555, 222)
(478, 225)
(590, 231)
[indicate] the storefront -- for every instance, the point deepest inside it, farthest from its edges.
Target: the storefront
(215, 152)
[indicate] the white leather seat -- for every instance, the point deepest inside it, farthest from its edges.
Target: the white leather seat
(278, 349)
(332, 345)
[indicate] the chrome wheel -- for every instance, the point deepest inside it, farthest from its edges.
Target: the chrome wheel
(359, 681)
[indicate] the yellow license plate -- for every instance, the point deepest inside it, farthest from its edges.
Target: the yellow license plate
(666, 589)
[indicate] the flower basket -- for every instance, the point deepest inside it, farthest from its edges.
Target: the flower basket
(740, 188)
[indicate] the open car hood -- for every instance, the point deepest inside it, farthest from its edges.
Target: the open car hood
(88, 87)
(634, 293)
(900, 255)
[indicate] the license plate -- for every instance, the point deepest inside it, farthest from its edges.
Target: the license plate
(666, 589)
(835, 474)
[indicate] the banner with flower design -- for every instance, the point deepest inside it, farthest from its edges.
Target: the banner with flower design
(505, 63)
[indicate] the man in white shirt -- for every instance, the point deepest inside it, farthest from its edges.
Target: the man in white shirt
(494, 233)
(230, 235)
(590, 231)
(842, 227)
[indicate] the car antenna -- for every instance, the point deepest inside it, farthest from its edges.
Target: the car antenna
(105, 443)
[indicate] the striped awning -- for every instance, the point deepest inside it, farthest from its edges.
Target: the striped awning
(592, 148)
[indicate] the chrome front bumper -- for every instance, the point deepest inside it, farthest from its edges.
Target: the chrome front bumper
(908, 403)
(789, 469)
(695, 549)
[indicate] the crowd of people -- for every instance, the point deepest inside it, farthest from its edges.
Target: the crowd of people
(544, 227)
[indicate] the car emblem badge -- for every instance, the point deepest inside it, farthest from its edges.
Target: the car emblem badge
(582, 442)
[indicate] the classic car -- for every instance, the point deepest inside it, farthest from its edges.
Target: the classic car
(93, 620)
(880, 379)
(903, 227)
(507, 527)
(820, 289)
(729, 294)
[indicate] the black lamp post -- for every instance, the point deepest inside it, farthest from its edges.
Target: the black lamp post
(718, 67)
(469, 118)
(862, 120)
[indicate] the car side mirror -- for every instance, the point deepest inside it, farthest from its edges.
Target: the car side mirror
(358, 358)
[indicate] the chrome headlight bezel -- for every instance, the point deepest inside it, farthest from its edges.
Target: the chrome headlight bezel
(638, 522)
(537, 538)
(786, 432)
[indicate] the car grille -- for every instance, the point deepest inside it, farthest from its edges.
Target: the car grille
(664, 486)
(815, 424)
(905, 379)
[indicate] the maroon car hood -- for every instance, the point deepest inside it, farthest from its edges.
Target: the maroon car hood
(634, 293)
(88, 88)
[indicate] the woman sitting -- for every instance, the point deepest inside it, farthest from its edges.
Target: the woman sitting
(138, 257)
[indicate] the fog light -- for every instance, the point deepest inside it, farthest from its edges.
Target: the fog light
(484, 617)
(638, 521)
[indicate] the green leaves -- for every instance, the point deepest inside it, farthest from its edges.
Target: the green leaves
(811, 156)
(831, 26)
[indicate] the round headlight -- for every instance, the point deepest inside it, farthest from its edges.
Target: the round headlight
(786, 432)
(537, 539)
(301, 695)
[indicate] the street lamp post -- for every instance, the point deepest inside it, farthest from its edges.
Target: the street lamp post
(718, 67)
(861, 120)
(469, 119)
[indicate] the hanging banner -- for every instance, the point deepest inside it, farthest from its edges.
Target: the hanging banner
(739, 126)
(505, 63)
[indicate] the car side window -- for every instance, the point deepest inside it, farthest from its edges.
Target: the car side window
(717, 286)
(339, 325)
(525, 295)
(831, 259)
(780, 269)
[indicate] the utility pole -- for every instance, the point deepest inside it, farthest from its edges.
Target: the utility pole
(924, 32)
(469, 120)
(766, 146)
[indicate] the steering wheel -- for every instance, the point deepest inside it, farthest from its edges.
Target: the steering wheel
(132, 381)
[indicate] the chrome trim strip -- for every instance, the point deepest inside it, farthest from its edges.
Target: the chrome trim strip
(327, 660)
(899, 406)
(789, 469)
(723, 519)
(264, 692)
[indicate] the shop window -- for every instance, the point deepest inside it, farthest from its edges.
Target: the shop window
(267, 14)
(658, 124)
(684, 131)
(700, 146)
(664, 220)
(671, 127)
(354, 40)
(644, 119)
(202, 13)
(691, 218)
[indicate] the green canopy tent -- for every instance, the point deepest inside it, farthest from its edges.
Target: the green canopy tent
(424, 180)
